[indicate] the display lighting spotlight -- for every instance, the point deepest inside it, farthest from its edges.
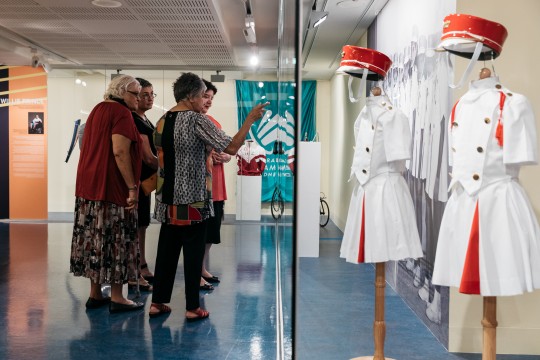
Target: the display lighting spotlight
(38, 61)
(250, 22)
(35, 61)
(249, 34)
(317, 18)
(46, 66)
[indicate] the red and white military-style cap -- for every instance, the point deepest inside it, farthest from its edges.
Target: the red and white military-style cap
(354, 59)
(461, 33)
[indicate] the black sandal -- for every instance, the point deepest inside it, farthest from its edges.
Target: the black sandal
(206, 286)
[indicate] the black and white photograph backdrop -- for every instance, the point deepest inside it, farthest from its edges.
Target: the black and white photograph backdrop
(409, 31)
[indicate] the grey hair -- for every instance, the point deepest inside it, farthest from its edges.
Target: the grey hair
(118, 86)
(187, 86)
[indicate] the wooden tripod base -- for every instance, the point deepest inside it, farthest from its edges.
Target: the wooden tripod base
(379, 326)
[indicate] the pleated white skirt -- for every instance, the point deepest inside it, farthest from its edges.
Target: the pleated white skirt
(509, 240)
(389, 221)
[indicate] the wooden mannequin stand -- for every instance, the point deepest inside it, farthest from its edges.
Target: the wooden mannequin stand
(379, 326)
(489, 322)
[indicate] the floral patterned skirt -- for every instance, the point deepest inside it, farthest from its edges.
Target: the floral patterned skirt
(105, 243)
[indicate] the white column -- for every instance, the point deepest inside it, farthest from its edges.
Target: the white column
(308, 171)
(248, 197)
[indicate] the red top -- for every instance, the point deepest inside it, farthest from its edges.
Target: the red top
(98, 176)
(219, 191)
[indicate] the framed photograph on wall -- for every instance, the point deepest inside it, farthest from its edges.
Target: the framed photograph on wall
(36, 122)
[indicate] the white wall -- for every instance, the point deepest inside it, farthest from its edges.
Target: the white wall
(323, 123)
(69, 101)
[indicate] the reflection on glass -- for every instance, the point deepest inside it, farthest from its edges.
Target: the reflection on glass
(276, 133)
(287, 123)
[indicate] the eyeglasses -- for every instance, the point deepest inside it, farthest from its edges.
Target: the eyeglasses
(149, 96)
(134, 93)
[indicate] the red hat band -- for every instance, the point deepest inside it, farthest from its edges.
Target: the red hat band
(354, 59)
(462, 29)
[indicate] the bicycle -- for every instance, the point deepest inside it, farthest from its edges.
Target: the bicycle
(277, 205)
(324, 211)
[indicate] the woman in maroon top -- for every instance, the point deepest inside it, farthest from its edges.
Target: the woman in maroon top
(105, 246)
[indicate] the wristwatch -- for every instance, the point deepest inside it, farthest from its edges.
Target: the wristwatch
(134, 187)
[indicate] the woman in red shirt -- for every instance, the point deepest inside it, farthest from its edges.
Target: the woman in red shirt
(105, 245)
(219, 194)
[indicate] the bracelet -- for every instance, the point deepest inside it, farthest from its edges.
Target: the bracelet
(134, 187)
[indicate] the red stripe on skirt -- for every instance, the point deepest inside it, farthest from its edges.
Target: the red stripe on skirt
(361, 250)
(470, 279)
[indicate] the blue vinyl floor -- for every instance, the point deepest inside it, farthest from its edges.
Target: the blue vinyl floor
(42, 312)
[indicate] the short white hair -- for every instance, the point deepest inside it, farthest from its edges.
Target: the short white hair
(118, 86)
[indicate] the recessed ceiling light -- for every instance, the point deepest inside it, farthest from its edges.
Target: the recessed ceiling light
(107, 3)
(348, 4)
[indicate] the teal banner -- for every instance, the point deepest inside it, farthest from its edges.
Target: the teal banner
(276, 130)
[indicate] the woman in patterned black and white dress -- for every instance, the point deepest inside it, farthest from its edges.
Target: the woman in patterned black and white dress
(183, 195)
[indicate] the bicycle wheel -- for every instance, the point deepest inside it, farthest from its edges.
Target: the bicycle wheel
(277, 205)
(325, 213)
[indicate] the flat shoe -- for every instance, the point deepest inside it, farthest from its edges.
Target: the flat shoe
(115, 307)
(211, 279)
(162, 310)
(206, 286)
(201, 314)
(92, 303)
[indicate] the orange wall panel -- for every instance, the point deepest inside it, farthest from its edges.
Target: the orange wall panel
(27, 143)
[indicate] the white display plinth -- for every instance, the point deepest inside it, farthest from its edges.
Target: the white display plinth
(308, 172)
(248, 197)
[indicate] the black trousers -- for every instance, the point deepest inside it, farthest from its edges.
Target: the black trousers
(172, 239)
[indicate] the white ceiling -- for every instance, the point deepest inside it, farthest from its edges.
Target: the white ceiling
(177, 34)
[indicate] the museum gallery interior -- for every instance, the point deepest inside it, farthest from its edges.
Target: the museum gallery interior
(291, 179)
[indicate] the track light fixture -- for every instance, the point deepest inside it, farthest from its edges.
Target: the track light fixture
(317, 18)
(249, 24)
(39, 60)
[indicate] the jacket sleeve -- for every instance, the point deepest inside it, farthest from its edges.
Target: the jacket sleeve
(397, 136)
(519, 132)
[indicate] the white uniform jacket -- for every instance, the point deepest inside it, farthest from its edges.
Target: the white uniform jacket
(489, 240)
(381, 224)
(382, 138)
(478, 160)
